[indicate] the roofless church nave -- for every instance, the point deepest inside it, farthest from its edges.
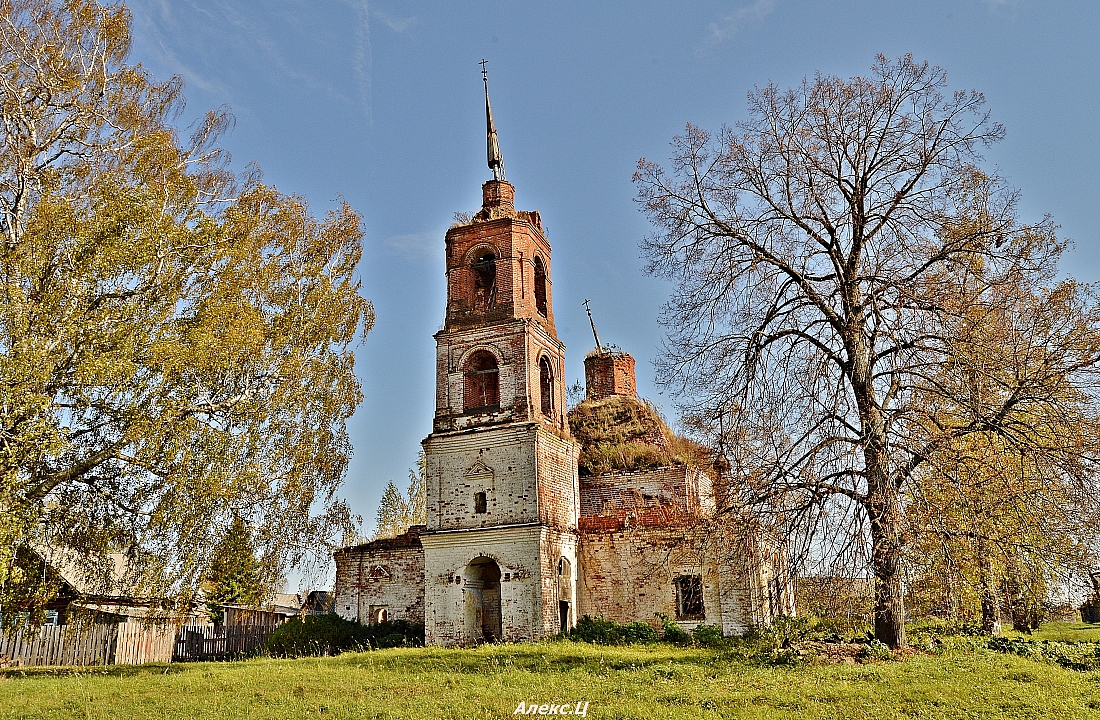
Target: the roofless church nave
(519, 542)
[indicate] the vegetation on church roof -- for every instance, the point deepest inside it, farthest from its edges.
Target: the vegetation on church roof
(624, 434)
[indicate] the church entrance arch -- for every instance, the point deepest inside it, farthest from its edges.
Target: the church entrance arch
(482, 598)
(565, 594)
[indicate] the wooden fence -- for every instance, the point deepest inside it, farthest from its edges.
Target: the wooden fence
(138, 643)
(93, 644)
(129, 643)
(219, 642)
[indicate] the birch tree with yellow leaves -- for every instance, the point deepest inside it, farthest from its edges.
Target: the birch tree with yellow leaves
(175, 339)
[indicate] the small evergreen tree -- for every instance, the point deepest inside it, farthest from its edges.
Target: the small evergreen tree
(233, 576)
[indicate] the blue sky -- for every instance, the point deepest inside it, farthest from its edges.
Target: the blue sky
(380, 103)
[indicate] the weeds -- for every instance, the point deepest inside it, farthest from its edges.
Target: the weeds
(1082, 656)
(331, 635)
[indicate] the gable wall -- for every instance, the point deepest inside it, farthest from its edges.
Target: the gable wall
(402, 592)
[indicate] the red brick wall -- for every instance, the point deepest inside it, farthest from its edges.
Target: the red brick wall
(628, 575)
(516, 238)
(682, 488)
(609, 373)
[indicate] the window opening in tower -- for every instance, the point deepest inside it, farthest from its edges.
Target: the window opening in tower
(546, 386)
(485, 281)
(482, 382)
(540, 287)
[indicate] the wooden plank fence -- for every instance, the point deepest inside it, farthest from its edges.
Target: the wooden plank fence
(96, 644)
(138, 643)
(129, 643)
(60, 645)
(219, 642)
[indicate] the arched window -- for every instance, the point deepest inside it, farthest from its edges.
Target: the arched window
(540, 286)
(482, 382)
(485, 279)
(546, 386)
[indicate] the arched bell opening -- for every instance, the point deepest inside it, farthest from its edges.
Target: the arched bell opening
(484, 271)
(481, 594)
(540, 287)
(546, 387)
(482, 387)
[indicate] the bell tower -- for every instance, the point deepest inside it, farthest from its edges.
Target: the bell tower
(502, 485)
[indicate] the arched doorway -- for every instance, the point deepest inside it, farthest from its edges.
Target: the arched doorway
(565, 594)
(482, 597)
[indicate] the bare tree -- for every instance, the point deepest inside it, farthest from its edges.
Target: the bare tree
(822, 251)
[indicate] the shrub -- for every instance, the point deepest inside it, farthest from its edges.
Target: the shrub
(707, 635)
(620, 433)
(875, 650)
(639, 632)
(331, 634)
(673, 633)
(597, 630)
(784, 631)
(601, 631)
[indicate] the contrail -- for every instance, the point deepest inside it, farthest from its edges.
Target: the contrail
(362, 58)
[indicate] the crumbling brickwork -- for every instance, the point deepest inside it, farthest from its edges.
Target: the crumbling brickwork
(502, 484)
(683, 487)
(629, 573)
(382, 575)
(527, 472)
(515, 239)
(524, 555)
(517, 545)
(609, 372)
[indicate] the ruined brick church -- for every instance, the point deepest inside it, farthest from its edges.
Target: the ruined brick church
(520, 541)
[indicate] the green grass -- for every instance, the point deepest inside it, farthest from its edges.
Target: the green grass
(655, 681)
(1063, 632)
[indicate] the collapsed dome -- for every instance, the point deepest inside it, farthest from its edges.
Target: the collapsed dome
(620, 433)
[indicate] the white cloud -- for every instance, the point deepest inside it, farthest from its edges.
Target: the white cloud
(394, 23)
(159, 24)
(745, 15)
(191, 37)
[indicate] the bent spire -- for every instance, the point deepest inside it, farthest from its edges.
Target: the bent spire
(599, 346)
(496, 160)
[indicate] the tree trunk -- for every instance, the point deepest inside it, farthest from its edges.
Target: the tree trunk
(886, 557)
(991, 611)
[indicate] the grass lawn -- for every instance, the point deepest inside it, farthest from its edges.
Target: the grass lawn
(1063, 631)
(657, 681)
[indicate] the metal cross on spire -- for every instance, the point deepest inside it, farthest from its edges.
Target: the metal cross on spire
(599, 347)
(496, 160)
